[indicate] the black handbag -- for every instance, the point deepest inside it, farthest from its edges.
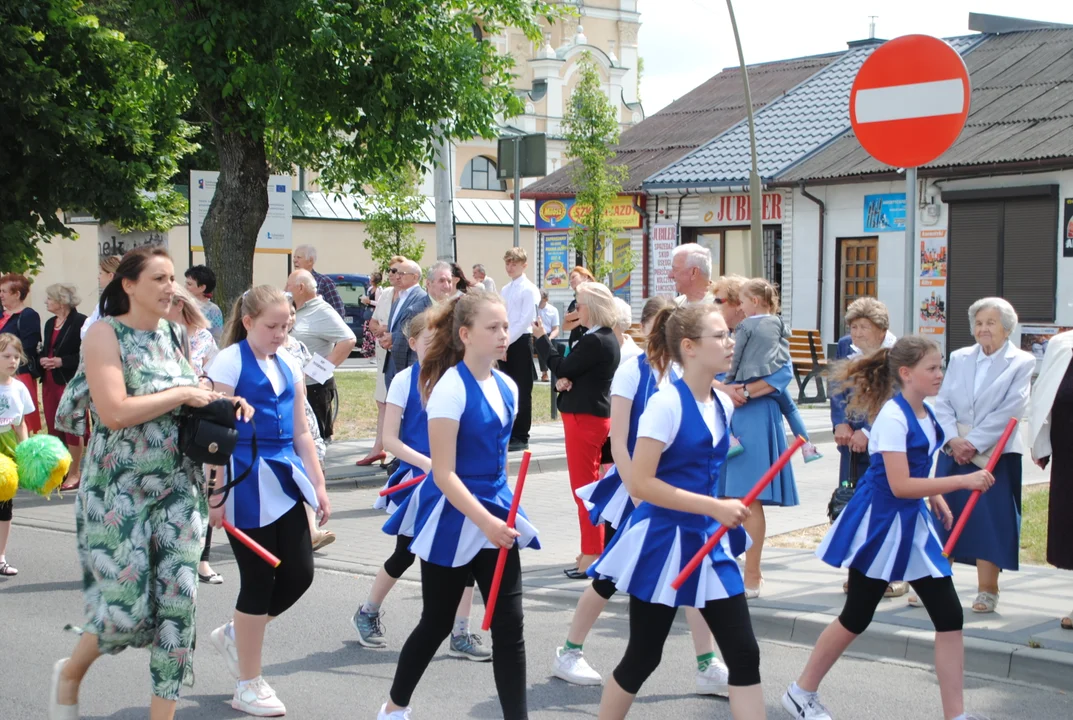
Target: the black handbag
(844, 492)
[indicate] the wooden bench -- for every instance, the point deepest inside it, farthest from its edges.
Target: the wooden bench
(806, 352)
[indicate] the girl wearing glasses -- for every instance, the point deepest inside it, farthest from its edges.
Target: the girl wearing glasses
(682, 441)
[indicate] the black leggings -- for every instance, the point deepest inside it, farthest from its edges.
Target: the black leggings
(938, 596)
(604, 587)
(208, 543)
(650, 623)
(265, 590)
(6, 508)
(441, 589)
(401, 560)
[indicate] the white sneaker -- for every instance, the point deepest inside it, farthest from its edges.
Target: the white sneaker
(258, 698)
(570, 666)
(226, 647)
(403, 714)
(804, 705)
(713, 681)
(55, 710)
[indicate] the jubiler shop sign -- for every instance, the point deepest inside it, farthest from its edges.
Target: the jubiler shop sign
(737, 209)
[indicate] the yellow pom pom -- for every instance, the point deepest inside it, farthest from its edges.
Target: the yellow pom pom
(9, 478)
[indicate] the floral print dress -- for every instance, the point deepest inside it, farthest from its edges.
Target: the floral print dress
(139, 527)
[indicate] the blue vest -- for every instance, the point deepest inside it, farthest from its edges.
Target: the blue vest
(414, 427)
(691, 462)
(482, 437)
(274, 418)
(917, 453)
(646, 388)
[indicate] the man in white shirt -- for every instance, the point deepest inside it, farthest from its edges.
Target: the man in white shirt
(691, 271)
(326, 334)
(549, 318)
(521, 298)
(481, 277)
(407, 301)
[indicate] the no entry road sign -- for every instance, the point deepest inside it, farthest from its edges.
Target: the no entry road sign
(909, 100)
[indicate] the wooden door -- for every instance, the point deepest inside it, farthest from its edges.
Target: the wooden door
(857, 264)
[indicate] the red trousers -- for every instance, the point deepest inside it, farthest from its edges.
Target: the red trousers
(585, 435)
(33, 419)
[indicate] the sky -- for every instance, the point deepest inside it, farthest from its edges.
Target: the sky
(685, 42)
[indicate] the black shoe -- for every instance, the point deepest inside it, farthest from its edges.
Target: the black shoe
(517, 445)
(575, 574)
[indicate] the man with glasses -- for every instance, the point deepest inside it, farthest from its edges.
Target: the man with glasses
(691, 271)
(407, 301)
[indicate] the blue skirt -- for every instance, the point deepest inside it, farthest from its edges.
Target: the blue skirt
(391, 502)
(885, 538)
(607, 499)
(649, 551)
(993, 532)
(758, 425)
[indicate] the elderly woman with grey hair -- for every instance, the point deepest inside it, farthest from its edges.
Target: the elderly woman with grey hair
(60, 351)
(985, 386)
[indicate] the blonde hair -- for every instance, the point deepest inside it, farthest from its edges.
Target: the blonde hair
(760, 289)
(869, 309)
(872, 379)
(416, 325)
(601, 304)
(670, 327)
(252, 303)
(64, 294)
(446, 349)
(731, 284)
(515, 255)
(192, 316)
(8, 340)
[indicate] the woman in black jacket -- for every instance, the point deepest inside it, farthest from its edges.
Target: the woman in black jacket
(585, 403)
(23, 322)
(59, 361)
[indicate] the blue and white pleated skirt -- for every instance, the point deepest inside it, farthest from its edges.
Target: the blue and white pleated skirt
(651, 548)
(271, 489)
(885, 538)
(607, 499)
(442, 535)
(391, 502)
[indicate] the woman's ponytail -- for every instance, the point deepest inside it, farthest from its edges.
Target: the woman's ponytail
(659, 350)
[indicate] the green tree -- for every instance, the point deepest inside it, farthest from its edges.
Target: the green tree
(91, 122)
(591, 129)
(346, 87)
(390, 213)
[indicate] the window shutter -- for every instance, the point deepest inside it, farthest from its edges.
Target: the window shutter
(974, 246)
(1028, 257)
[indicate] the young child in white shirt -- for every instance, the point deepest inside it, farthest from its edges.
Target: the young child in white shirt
(15, 402)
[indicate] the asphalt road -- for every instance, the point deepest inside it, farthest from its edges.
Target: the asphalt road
(320, 672)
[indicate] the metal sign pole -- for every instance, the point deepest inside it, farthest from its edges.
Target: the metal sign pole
(517, 188)
(910, 248)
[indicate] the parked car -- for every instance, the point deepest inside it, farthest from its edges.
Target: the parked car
(351, 289)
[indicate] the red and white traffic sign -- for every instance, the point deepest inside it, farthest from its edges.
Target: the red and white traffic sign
(910, 100)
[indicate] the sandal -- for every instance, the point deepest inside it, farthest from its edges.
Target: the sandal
(323, 539)
(213, 578)
(575, 574)
(6, 570)
(68, 485)
(754, 593)
(985, 602)
(1067, 621)
(914, 601)
(896, 589)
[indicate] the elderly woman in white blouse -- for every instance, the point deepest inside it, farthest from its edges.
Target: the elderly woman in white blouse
(985, 385)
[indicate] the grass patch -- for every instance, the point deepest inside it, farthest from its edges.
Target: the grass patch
(1034, 500)
(357, 408)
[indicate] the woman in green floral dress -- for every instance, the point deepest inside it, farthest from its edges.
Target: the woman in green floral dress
(137, 511)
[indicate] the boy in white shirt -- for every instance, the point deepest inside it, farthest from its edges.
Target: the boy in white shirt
(521, 298)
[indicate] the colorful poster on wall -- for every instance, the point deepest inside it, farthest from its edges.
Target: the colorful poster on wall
(933, 257)
(664, 238)
(932, 315)
(565, 213)
(1067, 245)
(884, 213)
(1034, 338)
(621, 277)
(556, 249)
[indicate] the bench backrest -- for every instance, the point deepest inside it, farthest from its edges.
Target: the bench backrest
(802, 345)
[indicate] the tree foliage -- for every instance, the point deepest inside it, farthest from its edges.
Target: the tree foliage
(346, 87)
(91, 122)
(390, 213)
(591, 129)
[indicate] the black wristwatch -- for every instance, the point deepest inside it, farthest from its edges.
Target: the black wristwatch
(745, 392)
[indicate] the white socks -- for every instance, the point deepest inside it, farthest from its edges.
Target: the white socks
(461, 627)
(243, 683)
(370, 608)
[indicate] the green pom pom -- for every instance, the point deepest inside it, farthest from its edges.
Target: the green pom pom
(43, 462)
(9, 478)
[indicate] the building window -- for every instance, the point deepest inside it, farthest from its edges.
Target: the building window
(480, 174)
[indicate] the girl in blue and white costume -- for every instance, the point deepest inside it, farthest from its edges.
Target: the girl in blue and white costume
(636, 380)
(406, 437)
(269, 504)
(682, 441)
(461, 508)
(886, 532)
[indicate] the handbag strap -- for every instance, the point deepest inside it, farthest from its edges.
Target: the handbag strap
(225, 490)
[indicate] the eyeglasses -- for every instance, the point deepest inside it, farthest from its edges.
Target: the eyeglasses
(721, 337)
(396, 271)
(719, 300)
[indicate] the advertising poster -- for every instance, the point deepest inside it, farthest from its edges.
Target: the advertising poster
(565, 213)
(933, 257)
(275, 233)
(664, 238)
(556, 249)
(932, 310)
(1067, 225)
(621, 277)
(884, 213)
(1034, 338)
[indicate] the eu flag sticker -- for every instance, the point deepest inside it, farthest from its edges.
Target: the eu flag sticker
(281, 188)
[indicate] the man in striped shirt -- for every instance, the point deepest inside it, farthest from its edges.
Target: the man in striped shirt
(305, 256)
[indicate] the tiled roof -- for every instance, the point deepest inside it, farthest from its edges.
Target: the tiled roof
(1021, 109)
(811, 115)
(693, 119)
(306, 205)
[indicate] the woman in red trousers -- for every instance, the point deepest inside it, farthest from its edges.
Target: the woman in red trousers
(584, 381)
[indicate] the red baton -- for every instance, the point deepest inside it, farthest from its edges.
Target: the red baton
(746, 501)
(251, 544)
(501, 561)
(403, 485)
(996, 455)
